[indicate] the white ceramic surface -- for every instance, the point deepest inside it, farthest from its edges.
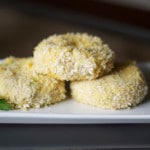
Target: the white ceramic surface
(71, 112)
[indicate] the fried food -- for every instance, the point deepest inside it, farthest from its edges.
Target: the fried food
(124, 87)
(73, 57)
(24, 89)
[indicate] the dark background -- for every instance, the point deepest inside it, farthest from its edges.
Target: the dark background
(25, 23)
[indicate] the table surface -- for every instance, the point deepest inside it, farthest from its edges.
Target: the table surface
(74, 137)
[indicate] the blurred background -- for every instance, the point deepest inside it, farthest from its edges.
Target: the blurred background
(123, 24)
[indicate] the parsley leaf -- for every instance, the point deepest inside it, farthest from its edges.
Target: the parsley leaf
(4, 105)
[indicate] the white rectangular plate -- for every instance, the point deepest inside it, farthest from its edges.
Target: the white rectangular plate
(71, 112)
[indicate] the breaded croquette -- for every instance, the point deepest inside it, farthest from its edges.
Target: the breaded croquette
(73, 57)
(24, 89)
(124, 87)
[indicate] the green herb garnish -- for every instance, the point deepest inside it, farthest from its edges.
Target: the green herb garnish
(4, 105)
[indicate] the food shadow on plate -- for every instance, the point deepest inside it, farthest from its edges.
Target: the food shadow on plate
(68, 90)
(145, 67)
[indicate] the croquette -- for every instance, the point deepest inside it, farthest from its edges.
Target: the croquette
(124, 87)
(24, 89)
(73, 56)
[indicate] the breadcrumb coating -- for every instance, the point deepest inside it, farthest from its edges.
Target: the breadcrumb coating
(24, 89)
(122, 88)
(73, 57)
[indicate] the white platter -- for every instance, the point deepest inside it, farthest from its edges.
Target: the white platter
(71, 112)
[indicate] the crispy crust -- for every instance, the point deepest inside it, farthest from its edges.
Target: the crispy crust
(23, 88)
(73, 57)
(124, 87)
